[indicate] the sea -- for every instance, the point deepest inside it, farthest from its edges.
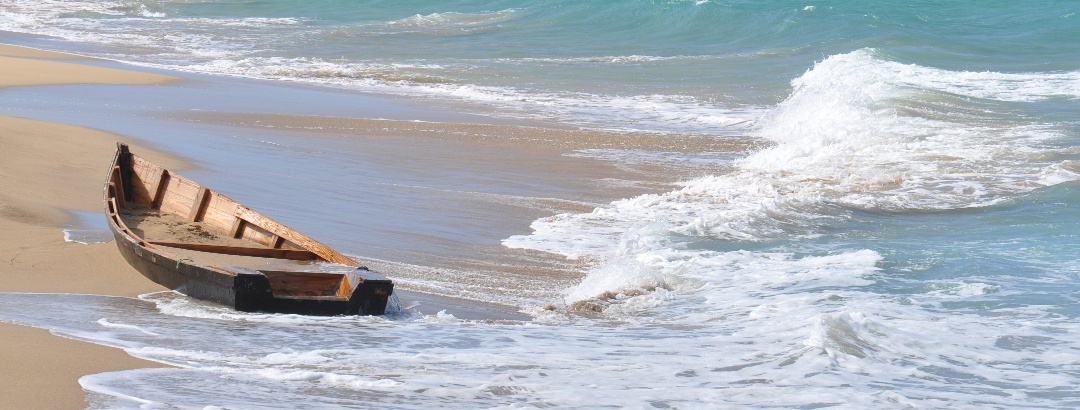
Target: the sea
(898, 227)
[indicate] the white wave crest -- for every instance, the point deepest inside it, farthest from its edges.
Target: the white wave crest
(845, 138)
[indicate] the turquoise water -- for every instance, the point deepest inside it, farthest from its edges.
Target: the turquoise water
(673, 66)
(906, 237)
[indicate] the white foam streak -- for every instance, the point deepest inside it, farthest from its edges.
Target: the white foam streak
(454, 21)
(87, 236)
(108, 324)
(431, 81)
(997, 86)
(174, 303)
(604, 60)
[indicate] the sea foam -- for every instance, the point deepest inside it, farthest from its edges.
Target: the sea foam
(842, 139)
(840, 346)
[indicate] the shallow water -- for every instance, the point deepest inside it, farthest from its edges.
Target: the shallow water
(895, 229)
(88, 228)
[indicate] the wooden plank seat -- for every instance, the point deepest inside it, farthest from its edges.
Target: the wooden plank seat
(291, 254)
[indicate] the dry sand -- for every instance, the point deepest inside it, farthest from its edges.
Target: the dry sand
(23, 66)
(45, 169)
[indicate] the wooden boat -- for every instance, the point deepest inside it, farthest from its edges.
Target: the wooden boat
(200, 243)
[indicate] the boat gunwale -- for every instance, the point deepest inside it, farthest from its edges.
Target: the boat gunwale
(244, 214)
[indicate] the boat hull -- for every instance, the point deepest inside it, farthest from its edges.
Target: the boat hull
(241, 288)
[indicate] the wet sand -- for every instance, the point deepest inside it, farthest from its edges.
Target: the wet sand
(46, 169)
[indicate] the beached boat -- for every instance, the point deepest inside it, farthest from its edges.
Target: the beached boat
(200, 243)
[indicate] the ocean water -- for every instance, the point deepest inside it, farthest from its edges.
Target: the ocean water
(903, 236)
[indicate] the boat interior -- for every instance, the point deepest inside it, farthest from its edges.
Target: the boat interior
(180, 218)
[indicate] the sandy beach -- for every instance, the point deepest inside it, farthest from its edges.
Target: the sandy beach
(45, 170)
